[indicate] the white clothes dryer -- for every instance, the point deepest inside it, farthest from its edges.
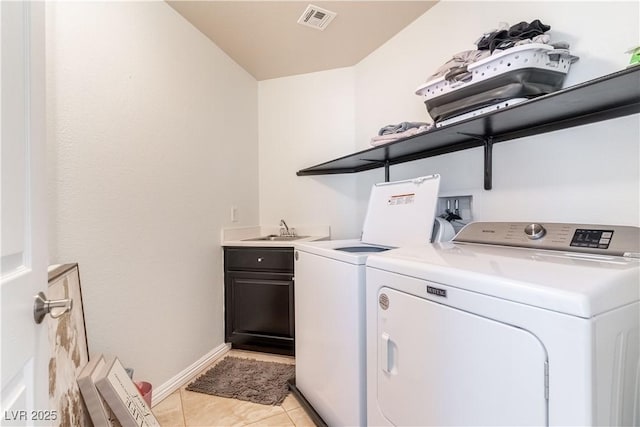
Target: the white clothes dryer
(330, 297)
(508, 324)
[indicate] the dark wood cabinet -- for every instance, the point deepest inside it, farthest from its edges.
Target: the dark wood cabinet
(259, 311)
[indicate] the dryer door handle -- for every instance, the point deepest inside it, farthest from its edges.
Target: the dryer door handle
(385, 348)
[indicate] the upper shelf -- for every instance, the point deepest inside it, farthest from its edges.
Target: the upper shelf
(604, 98)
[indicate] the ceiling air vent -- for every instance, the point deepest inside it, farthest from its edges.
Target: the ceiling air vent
(316, 17)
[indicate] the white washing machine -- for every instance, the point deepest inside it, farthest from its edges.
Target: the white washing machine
(508, 324)
(329, 297)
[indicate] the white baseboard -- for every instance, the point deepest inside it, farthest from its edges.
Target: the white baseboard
(183, 377)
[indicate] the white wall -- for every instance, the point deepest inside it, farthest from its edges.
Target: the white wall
(303, 119)
(586, 174)
(152, 137)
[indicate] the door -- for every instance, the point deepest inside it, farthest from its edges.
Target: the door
(25, 352)
(438, 365)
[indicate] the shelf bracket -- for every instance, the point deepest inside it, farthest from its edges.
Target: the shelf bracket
(385, 163)
(488, 157)
(386, 171)
(488, 164)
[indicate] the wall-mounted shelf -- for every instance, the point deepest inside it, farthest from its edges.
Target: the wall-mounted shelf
(604, 98)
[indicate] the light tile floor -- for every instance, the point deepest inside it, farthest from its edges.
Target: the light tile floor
(185, 408)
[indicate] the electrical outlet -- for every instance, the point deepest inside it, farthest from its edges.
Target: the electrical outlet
(234, 214)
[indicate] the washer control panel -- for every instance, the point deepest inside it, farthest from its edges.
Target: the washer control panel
(615, 240)
(584, 238)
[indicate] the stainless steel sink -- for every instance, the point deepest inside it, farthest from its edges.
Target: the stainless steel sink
(275, 238)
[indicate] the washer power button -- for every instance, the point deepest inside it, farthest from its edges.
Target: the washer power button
(534, 231)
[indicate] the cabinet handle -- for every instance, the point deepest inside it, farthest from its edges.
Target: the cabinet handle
(260, 259)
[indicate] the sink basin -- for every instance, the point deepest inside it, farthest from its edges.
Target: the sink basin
(275, 238)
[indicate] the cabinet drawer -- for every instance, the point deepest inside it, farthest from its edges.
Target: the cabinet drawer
(259, 259)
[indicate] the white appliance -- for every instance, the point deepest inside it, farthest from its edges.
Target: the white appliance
(508, 324)
(329, 297)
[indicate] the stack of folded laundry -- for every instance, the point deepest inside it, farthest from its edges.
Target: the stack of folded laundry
(392, 133)
(509, 65)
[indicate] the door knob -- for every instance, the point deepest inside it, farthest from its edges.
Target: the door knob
(42, 306)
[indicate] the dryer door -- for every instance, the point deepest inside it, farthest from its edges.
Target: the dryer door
(441, 366)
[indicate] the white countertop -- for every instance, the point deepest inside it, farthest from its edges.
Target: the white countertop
(238, 236)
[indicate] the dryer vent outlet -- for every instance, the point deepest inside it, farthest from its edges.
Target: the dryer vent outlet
(316, 17)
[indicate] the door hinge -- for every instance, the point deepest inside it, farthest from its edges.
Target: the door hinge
(546, 380)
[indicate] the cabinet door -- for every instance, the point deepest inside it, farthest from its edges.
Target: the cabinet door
(259, 309)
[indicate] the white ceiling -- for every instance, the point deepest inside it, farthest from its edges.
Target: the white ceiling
(266, 40)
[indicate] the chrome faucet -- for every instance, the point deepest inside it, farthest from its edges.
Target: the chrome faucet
(284, 229)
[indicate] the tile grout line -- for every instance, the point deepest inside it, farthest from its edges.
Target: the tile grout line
(184, 417)
(289, 416)
(193, 377)
(269, 416)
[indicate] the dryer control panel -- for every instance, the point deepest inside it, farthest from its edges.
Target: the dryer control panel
(614, 240)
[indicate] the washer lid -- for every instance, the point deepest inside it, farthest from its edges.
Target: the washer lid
(402, 212)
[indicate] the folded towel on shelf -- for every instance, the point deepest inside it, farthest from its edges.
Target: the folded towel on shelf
(400, 127)
(385, 139)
